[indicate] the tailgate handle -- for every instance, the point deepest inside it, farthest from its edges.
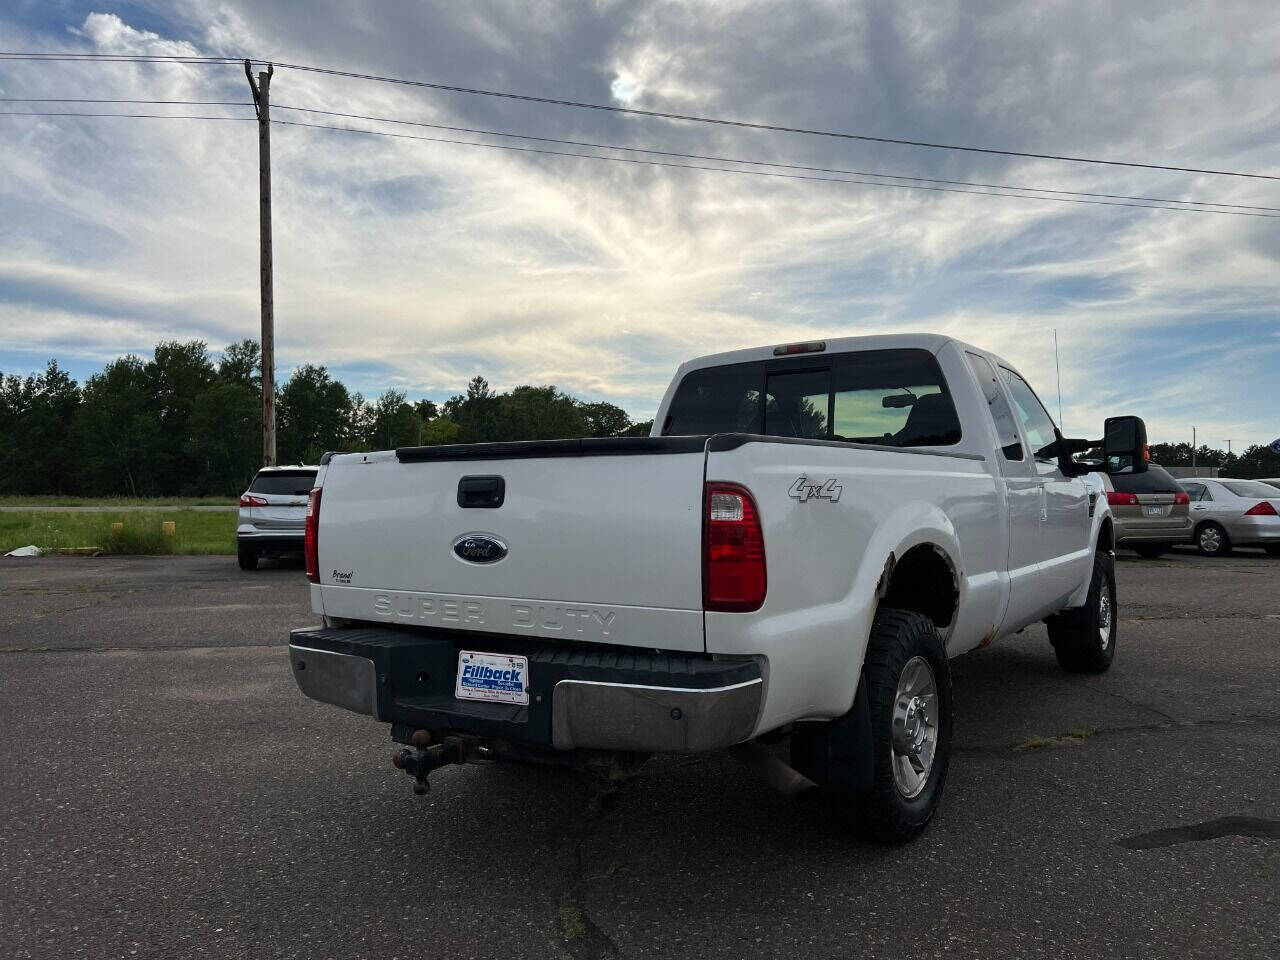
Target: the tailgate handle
(481, 492)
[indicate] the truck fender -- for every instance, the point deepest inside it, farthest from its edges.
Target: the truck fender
(911, 525)
(1101, 537)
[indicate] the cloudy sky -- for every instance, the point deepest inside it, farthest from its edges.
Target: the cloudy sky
(410, 264)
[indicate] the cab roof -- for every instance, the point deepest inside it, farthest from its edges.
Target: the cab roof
(933, 342)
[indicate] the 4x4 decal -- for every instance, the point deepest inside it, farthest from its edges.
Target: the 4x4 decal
(805, 490)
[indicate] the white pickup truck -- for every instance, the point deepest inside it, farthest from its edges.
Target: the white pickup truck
(809, 534)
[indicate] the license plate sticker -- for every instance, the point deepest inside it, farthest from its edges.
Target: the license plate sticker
(493, 677)
(1156, 511)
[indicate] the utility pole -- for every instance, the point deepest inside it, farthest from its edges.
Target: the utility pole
(1193, 446)
(262, 105)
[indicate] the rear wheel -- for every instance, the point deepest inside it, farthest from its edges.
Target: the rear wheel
(1084, 639)
(1150, 551)
(248, 559)
(1212, 540)
(909, 695)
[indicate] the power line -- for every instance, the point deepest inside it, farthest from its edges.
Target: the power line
(633, 111)
(185, 103)
(120, 58)
(122, 116)
(764, 173)
(662, 115)
(667, 153)
(766, 163)
(652, 163)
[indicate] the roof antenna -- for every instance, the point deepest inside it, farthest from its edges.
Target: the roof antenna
(1057, 370)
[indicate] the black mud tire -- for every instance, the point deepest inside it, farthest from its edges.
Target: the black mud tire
(884, 813)
(1150, 551)
(1212, 540)
(248, 559)
(1078, 637)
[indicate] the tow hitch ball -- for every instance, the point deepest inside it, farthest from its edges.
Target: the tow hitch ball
(423, 756)
(418, 762)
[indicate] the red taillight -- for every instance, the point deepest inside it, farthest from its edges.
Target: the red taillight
(1181, 497)
(733, 559)
(311, 539)
(1262, 508)
(790, 349)
(1118, 499)
(248, 501)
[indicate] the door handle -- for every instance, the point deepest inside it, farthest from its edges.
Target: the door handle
(483, 492)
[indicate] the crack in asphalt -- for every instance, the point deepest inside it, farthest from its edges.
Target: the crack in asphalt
(1264, 828)
(1260, 721)
(157, 648)
(1134, 703)
(1196, 617)
(579, 934)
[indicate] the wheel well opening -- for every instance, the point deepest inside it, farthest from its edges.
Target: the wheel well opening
(1106, 537)
(924, 581)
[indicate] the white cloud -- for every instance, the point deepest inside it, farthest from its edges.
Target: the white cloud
(432, 262)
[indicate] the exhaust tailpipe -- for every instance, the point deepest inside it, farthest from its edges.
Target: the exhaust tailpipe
(783, 777)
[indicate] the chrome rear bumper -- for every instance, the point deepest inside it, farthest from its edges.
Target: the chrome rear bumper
(579, 698)
(336, 678)
(619, 716)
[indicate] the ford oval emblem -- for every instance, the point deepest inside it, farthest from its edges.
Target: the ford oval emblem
(479, 548)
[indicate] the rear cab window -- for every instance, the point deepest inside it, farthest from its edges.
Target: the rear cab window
(284, 483)
(896, 398)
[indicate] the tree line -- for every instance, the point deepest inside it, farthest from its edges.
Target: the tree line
(1256, 461)
(186, 423)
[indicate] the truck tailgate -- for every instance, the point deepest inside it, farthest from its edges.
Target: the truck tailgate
(603, 540)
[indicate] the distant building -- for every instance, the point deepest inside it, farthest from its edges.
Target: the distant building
(1181, 473)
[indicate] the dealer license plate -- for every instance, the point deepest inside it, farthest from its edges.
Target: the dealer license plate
(1156, 511)
(494, 677)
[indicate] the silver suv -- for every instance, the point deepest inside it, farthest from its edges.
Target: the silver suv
(273, 513)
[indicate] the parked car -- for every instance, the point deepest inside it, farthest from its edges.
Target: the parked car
(1151, 511)
(273, 514)
(1271, 481)
(1234, 513)
(812, 531)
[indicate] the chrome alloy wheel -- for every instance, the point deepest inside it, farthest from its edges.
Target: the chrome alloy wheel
(1210, 540)
(1104, 614)
(915, 727)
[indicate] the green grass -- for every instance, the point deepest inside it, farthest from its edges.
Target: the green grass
(35, 502)
(140, 533)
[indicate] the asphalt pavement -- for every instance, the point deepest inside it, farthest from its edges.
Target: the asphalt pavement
(167, 792)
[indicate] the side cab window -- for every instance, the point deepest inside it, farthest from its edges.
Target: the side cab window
(1006, 428)
(1036, 422)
